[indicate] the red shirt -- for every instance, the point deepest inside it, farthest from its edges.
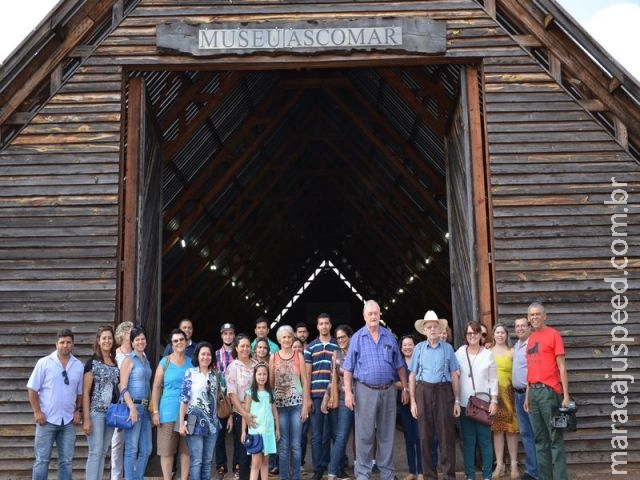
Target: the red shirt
(542, 349)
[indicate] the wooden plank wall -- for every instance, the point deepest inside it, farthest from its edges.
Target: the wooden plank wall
(551, 165)
(551, 169)
(59, 214)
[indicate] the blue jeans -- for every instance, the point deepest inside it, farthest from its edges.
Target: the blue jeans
(137, 446)
(305, 435)
(412, 441)
(320, 436)
(289, 444)
(526, 435)
(64, 436)
(201, 455)
(476, 433)
(99, 441)
(342, 424)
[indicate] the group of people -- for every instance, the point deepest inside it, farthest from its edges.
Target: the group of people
(525, 386)
(64, 394)
(332, 385)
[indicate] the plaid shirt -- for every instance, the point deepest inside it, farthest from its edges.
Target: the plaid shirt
(373, 363)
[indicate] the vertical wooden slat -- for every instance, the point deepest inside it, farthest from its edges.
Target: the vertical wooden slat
(480, 201)
(130, 234)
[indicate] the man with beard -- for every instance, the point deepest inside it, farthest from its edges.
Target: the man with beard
(223, 359)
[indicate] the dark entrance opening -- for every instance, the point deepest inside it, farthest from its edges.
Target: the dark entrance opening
(283, 191)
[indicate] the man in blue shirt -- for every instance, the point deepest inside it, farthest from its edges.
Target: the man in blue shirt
(370, 367)
(55, 395)
(434, 388)
(318, 356)
(519, 381)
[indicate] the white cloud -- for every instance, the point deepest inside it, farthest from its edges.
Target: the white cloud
(616, 29)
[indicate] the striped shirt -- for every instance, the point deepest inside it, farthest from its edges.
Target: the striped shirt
(319, 356)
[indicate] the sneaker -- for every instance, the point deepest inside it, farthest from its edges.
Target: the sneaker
(274, 471)
(317, 475)
(343, 475)
(236, 472)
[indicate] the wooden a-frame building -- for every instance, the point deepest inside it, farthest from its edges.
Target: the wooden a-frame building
(219, 160)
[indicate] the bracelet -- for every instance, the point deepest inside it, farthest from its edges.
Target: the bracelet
(457, 402)
(155, 412)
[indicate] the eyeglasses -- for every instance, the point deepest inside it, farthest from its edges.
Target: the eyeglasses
(177, 340)
(341, 337)
(471, 334)
(66, 377)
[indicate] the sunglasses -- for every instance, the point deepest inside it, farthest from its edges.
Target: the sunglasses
(341, 337)
(66, 377)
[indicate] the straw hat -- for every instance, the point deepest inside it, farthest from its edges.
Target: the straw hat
(430, 316)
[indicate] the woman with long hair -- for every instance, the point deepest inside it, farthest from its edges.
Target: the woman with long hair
(165, 404)
(117, 441)
(238, 376)
(293, 398)
(343, 421)
(198, 394)
(135, 388)
(477, 369)
(100, 389)
(506, 420)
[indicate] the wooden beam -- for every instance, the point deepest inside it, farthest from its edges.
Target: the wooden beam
(420, 189)
(480, 195)
(235, 165)
(129, 260)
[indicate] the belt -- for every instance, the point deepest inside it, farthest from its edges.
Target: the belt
(141, 402)
(538, 385)
(384, 386)
(519, 390)
(429, 384)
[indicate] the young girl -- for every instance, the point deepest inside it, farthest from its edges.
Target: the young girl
(260, 404)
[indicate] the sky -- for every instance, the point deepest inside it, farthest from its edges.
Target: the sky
(613, 23)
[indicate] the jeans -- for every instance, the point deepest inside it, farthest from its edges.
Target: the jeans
(201, 455)
(476, 433)
(137, 445)
(543, 404)
(412, 441)
(289, 444)
(342, 424)
(117, 455)
(99, 441)
(526, 435)
(320, 436)
(64, 436)
(305, 436)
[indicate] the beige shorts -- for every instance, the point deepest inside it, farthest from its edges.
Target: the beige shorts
(168, 440)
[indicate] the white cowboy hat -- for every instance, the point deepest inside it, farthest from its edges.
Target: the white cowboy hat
(430, 316)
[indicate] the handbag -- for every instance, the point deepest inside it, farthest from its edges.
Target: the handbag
(253, 443)
(477, 407)
(223, 406)
(118, 414)
(334, 393)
